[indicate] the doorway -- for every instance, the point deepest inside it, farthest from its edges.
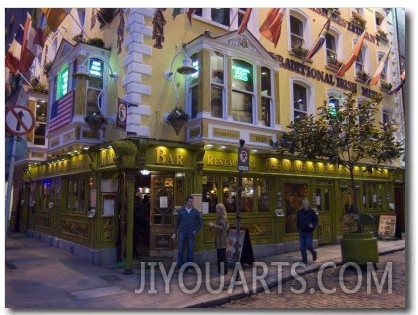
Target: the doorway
(141, 233)
(322, 203)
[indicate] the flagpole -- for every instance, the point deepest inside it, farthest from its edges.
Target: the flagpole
(378, 64)
(82, 29)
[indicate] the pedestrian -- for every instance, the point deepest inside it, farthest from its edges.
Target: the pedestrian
(188, 223)
(307, 221)
(221, 229)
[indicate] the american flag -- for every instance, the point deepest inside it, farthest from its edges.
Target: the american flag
(61, 112)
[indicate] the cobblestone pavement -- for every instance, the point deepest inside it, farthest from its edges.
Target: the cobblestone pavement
(338, 288)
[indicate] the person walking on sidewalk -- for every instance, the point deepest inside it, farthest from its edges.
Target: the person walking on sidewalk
(188, 223)
(307, 221)
(221, 229)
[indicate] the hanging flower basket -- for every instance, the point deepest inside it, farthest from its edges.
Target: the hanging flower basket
(177, 118)
(95, 121)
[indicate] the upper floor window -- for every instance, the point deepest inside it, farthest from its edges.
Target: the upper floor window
(242, 91)
(62, 82)
(387, 115)
(334, 104)
(41, 113)
(383, 74)
(218, 15)
(300, 102)
(296, 32)
(331, 49)
(95, 86)
(193, 86)
(217, 64)
(379, 20)
(266, 97)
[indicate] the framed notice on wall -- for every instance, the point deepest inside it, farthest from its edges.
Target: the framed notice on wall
(108, 204)
(197, 201)
(387, 226)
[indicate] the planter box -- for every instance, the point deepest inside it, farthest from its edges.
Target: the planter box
(359, 248)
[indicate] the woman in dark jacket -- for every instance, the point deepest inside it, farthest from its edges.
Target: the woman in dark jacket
(221, 228)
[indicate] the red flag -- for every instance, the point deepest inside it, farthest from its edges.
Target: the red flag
(272, 26)
(26, 57)
(12, 63)
(376, 76)
(190, 13)
(40, 25)
(319, 42)
(244, 21)
(398, 84)
(353, 56)
(54, 17)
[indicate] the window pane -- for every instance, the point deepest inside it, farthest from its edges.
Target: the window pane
(242, 107)
(299, 101)
(216, 102)
(40, 130)
(195, 101)
(247, 194)
(210, 192)
(229, 188)
(242, 75)
(265, 81)
(265, 111)
(217, 67)
(262, 195)
(220, 16)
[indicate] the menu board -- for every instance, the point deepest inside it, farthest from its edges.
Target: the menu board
(387, 226)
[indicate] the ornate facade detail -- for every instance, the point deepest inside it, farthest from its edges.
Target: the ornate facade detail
(243, 42)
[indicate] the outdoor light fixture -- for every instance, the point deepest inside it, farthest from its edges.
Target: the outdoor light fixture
(186, 69)
(83, 73)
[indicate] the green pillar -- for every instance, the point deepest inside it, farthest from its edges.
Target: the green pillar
(130, 190)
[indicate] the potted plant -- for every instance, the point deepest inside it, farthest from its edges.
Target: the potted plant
(177, 118)
(358, 20)
(385, 85)
(382, 35)
(362, 75)
(96, 41)
(333, 62)
(95, 121)
(346, 136)
(299, 51)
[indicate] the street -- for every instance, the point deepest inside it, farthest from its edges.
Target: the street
(338, 288)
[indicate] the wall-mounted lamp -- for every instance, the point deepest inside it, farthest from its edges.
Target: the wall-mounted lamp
(145, 172)
(83, 73)
(186, 69)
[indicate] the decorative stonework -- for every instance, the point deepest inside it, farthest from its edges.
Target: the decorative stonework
(243, 42)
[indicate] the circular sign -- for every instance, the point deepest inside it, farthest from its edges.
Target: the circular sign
(19, 120)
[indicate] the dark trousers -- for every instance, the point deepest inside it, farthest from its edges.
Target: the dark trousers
(222, 266)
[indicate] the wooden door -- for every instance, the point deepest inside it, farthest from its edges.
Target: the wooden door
(323, 204)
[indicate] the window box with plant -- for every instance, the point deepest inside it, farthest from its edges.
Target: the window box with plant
(385, 85)
(358, 20)
(362, 76)
(299, 51)
(333, 62)
(382, 35)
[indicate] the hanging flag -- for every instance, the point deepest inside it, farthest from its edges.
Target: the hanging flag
(26, 57)
(39, 29)
(61, 112)
(54, 17)
(190, 13)
(245, 20)
(353, 56)
(272, 26)
(376, 76)
(14, 52)
(12, 63)
(319, 41)
(398, 84)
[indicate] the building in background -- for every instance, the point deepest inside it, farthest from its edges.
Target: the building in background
(154, 103)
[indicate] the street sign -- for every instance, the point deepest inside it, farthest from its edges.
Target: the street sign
(19, 120)
(243, 159)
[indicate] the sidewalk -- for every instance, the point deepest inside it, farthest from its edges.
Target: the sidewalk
(40, 276)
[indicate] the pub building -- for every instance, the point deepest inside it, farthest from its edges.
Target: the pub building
(119, 153)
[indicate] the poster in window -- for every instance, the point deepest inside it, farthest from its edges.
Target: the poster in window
(108, 204)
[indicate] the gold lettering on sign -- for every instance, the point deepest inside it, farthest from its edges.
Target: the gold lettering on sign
(260, 138)
(214, 161)
(166, 158)
(225, 133)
